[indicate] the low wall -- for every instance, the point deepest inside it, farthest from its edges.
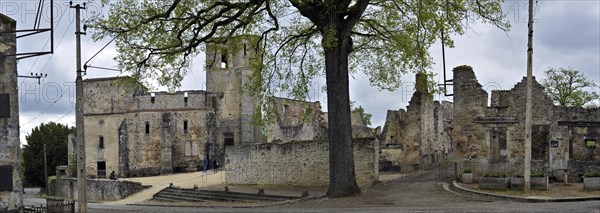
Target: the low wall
(303, 163)
(97, 189)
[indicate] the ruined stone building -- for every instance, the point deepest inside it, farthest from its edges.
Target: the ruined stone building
(418, 136)
(296, 120)
(491, 137)
(298, 152)
(11, 197)
(137, 133)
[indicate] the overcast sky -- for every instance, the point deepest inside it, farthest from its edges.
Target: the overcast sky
(566, 34)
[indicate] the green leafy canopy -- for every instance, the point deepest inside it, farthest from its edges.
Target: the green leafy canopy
(158, 39)
(54, 135)
(566, 87)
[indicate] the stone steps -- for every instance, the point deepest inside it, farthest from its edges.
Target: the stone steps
(196, 195)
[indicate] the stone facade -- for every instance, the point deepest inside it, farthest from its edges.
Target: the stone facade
(137, 133)
(491, 138)
(11, 197)
(303, 163)
(419, 136)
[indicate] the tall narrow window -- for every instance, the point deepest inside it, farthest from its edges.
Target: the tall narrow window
(285, 108)
(4, 105)
(245, 53)
(147, 128)
(101, 142)
(185, 97)
(224, 60)
(185, 126)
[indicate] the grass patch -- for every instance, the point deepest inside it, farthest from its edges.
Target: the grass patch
(586, 190)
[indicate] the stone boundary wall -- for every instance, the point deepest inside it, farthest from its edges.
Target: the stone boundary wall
(97, 189)
(303, 163)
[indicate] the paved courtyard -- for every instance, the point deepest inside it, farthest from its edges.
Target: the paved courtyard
(419, 192)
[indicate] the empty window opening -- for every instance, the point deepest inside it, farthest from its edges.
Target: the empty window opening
(285, 108)
(101, 142)
(245, 53)
(101, 169)
(223, 60)
(152, 97)
(590, 143)
(185, 126)
(228, 137)
(185, 97)
(4, 105)
(147, 128)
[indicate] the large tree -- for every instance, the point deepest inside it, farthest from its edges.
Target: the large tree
(54, 135)
(382, 38)
(566, 87)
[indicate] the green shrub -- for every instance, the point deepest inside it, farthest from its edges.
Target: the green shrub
(592, 174)
(538, 174)
(467, 170)
(495, 175)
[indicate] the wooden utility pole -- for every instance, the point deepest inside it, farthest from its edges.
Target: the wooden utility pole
(46, 169)
(81, 176)
(527, 175)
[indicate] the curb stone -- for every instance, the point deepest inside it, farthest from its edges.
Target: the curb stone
(518, 199)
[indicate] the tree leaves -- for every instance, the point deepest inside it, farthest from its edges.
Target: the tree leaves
(157, 39)
(54, 135)
(566, 87)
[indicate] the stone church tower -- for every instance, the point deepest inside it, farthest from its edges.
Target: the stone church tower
(228, 73)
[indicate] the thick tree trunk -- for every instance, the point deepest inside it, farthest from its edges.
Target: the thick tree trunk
(342, 180)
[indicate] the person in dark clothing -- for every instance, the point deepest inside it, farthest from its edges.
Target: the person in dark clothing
(113, 176)
(205, 165)
(215, 166)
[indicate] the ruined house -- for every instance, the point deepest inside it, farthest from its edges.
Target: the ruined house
(137, 133)
(491, 137)
(418, 136)
(296, 120)
(11, 197)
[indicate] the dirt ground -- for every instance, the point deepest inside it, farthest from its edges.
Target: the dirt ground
(183, 180)
(212, 181)
(555, 190)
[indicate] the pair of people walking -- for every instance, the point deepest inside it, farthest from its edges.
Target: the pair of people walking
(215, 165)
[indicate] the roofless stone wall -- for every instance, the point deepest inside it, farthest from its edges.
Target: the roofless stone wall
(10, 166)
(303, 163)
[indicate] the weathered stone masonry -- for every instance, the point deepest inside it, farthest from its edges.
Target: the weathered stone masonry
(419, 136)
(11, 197)
(138, 133)
(492, 138)
(303, 163)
